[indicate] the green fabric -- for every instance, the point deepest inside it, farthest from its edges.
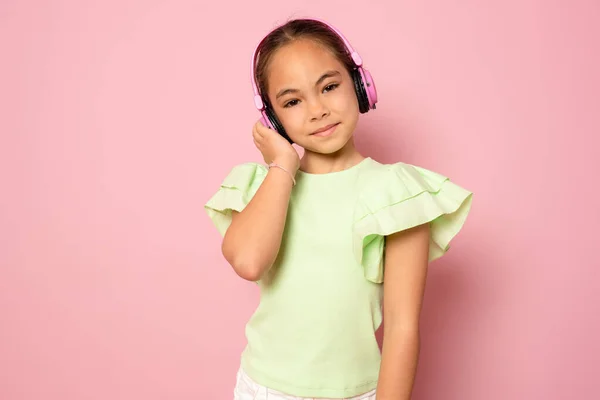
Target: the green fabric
(313, 333)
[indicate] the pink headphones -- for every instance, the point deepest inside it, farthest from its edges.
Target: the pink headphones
(364, 87)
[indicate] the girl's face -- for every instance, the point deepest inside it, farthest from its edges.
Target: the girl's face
(313, 96)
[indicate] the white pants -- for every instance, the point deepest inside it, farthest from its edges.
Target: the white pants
(247, 389)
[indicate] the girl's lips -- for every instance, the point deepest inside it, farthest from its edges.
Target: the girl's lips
(325, 131)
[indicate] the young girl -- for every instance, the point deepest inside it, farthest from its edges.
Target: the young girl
(326, 235)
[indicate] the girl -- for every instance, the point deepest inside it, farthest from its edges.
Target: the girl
(326, 235)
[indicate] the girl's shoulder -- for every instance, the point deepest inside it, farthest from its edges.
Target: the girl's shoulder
(234, 193)
(403, 179)
(399, 196)
(245, 173)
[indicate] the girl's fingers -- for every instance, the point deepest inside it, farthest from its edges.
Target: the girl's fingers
(255, 135)
(258, 128)
(263, 131)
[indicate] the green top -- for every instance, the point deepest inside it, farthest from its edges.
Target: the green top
(313, 333)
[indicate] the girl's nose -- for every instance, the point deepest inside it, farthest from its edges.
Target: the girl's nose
(318, 111)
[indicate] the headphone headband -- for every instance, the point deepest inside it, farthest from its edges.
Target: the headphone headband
(258, 101)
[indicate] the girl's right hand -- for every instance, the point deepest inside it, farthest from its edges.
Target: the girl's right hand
(274, 148)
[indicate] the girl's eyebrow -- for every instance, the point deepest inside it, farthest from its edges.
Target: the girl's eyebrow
(326, 75)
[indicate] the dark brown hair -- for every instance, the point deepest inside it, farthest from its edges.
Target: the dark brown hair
(294, 30)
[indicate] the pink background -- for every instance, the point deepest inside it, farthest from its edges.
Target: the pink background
(119, 119)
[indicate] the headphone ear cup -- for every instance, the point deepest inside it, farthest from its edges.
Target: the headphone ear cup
(361, 93)
(276, 124)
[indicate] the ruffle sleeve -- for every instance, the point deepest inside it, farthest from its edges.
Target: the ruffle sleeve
(401, 196)
(235, 192)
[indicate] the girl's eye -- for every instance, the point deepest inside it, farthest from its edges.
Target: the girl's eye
(326, 89)
(290, 103)
(331, 87)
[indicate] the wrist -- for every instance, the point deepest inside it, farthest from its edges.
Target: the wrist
(284, 170)
(289, 165)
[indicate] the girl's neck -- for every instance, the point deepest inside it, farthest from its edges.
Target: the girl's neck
(317, 163)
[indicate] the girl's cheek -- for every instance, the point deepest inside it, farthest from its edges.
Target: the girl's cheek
(294, 117)
(342, 100)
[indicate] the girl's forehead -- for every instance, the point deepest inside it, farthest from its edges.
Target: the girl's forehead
(304, 49)
(301, 59)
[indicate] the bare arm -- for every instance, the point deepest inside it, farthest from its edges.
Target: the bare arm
(252, 241)
(404, 285)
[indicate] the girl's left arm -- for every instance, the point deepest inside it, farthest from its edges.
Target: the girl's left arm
(405, 273)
